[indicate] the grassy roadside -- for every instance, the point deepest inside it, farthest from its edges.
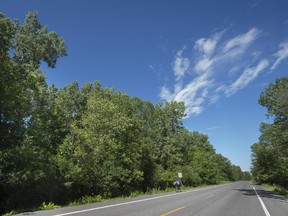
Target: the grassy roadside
(280, 190)
(87, 200)
(97, 198)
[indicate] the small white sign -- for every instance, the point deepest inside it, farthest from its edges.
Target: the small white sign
(180, 175)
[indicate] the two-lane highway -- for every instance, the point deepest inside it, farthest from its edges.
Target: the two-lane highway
(240, 198)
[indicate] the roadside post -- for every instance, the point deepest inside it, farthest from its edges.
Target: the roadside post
(180, 176)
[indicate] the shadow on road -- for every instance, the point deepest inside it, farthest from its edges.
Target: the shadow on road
(264, 194)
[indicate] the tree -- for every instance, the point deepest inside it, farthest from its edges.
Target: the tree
(270, 154)
(275, 99)
(23, 106)
(101, 154)
(167, 126)
(225, 168)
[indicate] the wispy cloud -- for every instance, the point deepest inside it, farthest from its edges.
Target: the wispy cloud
(205, 49)
(181, 65)
(242, 41)
(281, 54)
(246, 77)
(207, 46)
(218, 67)
(194, 94)
(213, 128)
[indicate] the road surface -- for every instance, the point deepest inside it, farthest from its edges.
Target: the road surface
(239, 199)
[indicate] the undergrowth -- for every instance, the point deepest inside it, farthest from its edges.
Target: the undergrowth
(278, 189)
(99, 198)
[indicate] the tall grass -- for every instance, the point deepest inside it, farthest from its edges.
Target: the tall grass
(278, 189)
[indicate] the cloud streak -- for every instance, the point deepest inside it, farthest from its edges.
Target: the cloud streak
(281, 54)
(246, 77)
(181, 65)
(242, 41)
(219, 67)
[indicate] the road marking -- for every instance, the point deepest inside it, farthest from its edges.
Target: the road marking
(210, 196)
(136, 201)
(120, 204)
(175, 210)
(262, 203)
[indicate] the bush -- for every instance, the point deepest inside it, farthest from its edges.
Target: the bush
(48, 206)
(87, 200)
(10, 213)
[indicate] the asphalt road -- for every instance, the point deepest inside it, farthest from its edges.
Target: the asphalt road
(239, 198)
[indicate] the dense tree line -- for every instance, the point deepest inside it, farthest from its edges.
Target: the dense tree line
(60, 144)
(270, 154)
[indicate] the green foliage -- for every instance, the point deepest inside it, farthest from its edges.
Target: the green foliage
(48, 206)
(281, 190)
(33, 43)
(136, 194)
(246, 176)
(278, 189)
(24, 109)
(275, 99)
(10, 213)
(164, 178)
(86, 200)
(102, 153)
(270, 154)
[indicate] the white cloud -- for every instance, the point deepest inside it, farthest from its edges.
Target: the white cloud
(226, 52)
(215, 62)
(232, 71)
(213, 128)
(242, 41)
(281, 54)
(193, 94)
(203, 65)
(214, 98)
(246, 77)
(166, 94)
(190, 91)
(206, 48)
(181, 65)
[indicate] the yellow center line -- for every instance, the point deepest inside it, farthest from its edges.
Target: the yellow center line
(210, 196)
(175, 210)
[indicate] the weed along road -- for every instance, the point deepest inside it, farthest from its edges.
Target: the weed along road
(239, 198)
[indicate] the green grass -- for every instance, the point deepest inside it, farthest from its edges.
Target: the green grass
(10, 213)
(87, 200)
(98, 198)
(48, 206)
(43, 206)
(278, 189)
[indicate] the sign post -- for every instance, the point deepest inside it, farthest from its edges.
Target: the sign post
(180, 177)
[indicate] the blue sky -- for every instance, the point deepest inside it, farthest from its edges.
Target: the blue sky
(215, 56)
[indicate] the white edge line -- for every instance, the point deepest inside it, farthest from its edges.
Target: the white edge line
(262, 203)
(126, 203)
